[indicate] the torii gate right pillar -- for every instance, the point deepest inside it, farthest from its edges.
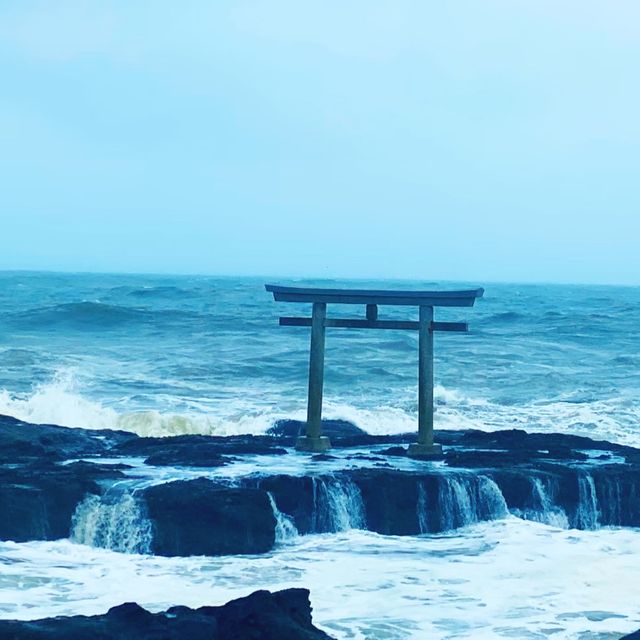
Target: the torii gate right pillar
(425, 446)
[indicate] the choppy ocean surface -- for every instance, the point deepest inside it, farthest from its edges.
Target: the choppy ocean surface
(167, 355)
(171, 355)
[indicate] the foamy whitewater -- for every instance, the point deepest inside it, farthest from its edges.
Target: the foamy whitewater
(174, 355)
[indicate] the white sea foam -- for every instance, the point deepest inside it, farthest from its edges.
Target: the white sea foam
(63, 401)
(508, 578)
(613, 419)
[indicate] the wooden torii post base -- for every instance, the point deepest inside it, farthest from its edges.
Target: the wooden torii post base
(313, 445)
(314, 441)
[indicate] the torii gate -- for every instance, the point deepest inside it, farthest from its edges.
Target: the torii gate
(314, 441)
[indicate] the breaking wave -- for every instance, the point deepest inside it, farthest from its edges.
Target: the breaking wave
(61, 401)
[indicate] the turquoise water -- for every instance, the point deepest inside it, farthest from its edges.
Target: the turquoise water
(168, 354)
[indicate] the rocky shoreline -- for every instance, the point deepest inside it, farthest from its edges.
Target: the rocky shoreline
(48, 471)
(191, 495)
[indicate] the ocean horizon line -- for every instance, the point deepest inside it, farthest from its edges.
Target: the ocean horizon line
(315, 278)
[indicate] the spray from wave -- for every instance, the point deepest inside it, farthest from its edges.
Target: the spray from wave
(62, 401)
(58, 402)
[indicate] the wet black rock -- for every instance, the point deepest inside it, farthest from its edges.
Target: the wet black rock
(394, 451)
(409, 502)
(341, 433)
(331, 428)
(37, 501)
(201, 456)
(283, 615)
(537, 475)
(295, 495)
(24, 442)
(183, 449)
(201, 517)
(364, 456)
(323, 457)
(517, 439)
(483, 458)
(390, 499)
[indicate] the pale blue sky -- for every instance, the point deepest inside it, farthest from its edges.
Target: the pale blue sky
(493, 140)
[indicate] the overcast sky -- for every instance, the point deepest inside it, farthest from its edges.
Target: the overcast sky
(462, 140)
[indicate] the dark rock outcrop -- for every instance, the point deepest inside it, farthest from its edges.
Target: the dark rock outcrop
(391, 505)
(201, 517)
(547, 477)
(511, 438)
(37, 501)
(397, 502)
(294, 496)
(194, 450)
(24, 442)
(201, 456)
(341, 433)
(283, 615)
(291, 429)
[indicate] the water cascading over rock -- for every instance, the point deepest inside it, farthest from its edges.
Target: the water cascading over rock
(337, 505)
(587, 514)
(253, 515)
(113, 521)
(467, 499)
(422, 508)
(543, 507)
(286, 530)
(610, 505)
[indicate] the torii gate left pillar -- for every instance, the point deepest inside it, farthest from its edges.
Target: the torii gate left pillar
(313, 440)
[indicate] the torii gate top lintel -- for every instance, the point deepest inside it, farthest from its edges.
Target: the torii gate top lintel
(424, 300)
(398, 297)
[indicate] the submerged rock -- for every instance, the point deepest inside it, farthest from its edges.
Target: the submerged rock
(283, 615)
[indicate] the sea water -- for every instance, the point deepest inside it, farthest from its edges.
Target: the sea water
(168, 355)
(161, 355)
